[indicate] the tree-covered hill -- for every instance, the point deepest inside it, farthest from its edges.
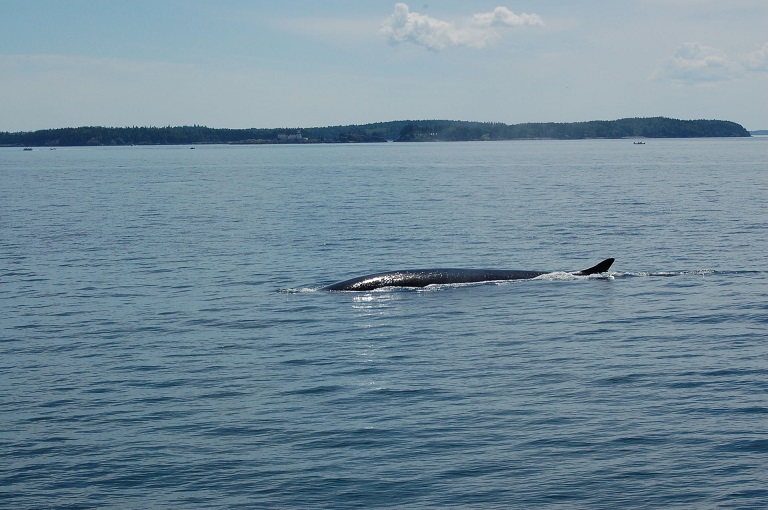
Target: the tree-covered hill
(401, 131)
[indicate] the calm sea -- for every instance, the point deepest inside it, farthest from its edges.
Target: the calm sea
(163, 342)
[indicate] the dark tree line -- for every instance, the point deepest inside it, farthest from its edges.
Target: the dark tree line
(402, 131)
(96, 135)
(656, 127)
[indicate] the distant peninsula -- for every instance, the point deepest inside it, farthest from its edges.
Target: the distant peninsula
(397, 131)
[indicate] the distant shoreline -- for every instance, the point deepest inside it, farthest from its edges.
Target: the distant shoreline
(397, 131)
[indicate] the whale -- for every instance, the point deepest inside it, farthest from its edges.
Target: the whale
(437, 276)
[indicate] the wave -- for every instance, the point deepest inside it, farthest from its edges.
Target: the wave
(299, 290)
(700, 272)
(687, 272)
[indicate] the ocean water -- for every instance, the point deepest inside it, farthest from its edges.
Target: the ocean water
(163, 342)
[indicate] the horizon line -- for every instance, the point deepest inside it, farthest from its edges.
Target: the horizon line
(364, 124)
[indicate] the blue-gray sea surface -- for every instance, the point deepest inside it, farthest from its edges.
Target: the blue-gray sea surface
(163, 342)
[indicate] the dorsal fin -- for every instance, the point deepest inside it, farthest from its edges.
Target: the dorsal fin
(602, 267)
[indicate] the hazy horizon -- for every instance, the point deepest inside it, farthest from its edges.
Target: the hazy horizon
(336, 125)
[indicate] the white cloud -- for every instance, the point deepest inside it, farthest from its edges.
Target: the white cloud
(694, 63)
(435, 34)
(503, 17)
(757, 61)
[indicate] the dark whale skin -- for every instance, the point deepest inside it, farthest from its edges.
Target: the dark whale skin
(436, 276)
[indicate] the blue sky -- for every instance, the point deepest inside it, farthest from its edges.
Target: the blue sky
(301, 63)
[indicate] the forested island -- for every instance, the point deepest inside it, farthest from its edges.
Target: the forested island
(398, 131)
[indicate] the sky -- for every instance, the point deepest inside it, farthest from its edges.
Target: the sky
(309, 63)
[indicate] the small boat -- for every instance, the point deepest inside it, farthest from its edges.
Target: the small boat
(639, 143)
(27, 148)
